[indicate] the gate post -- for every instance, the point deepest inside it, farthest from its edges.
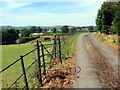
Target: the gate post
(24, 72)
(38, 64)
(60, 57)
(55, 46)
(43, 58)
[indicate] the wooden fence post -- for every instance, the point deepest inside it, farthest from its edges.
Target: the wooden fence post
(43, 58)
(38, 64)
(24, 73)
(60, 57)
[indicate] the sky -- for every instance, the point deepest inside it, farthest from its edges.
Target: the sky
(49, 12)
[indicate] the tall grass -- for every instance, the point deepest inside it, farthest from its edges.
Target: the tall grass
(70, 45)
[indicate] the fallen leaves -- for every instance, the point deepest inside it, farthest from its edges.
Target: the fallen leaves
(60, 76)
(107, 75)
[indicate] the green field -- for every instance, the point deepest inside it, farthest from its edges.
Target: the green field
(56, 33)
(10, 53)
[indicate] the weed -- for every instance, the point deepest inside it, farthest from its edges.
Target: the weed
(103, 39)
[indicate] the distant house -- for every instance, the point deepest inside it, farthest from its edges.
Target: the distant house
(35, 34)
(58, 29)
(49, 30)
(78, 29)
(18, 41)
(84, 28)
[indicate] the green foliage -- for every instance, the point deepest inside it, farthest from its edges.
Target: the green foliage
(56, 33)
(116, 22)
(39, 30)
(65, 29)
(103, 39)
(25, 33)
(54, 30)
(9, 36)
(105, 17)
(91, 28)
(45, 30)
(34, 29)
(72, 30)
(27, 39)
(98, 21)
(70, 44)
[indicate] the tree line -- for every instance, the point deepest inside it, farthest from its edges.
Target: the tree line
(11, 36)
(108, 18)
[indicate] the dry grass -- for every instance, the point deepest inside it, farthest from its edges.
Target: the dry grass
(111, 41)
(60, 76)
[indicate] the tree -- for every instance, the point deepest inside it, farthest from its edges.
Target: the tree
(99, 22)
(39, 30)
(33, 29)
(116, 22)
(54, 30)
(78, 28)
(90, 28)
(72, 30)
(9, 36)
(105, 17)
(45, 30)
(25, 33)
(65, 29)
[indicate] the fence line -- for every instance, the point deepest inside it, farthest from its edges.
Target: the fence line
(41, 51)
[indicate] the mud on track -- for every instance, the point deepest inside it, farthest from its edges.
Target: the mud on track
(106, 74)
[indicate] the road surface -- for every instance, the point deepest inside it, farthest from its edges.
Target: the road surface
(98, 63)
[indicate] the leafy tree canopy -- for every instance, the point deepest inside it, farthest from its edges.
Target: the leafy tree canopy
(65, 29)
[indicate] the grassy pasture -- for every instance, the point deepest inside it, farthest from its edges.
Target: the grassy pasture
(10, 53)
(56, 33)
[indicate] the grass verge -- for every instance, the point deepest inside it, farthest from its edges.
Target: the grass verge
(112, 41)
(70, 45)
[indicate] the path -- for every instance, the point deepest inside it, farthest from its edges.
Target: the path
(89, 50)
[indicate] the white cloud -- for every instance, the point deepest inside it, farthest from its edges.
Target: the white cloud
(42, 18)
(8, 0)
(9, 6)
(52, 0)
(16, 5)
(49, 19)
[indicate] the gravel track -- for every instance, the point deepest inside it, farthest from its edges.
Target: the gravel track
(88, 77)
